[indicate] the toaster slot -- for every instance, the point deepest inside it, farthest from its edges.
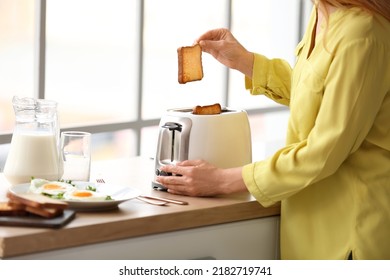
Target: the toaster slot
(174, 130)
(173, 141)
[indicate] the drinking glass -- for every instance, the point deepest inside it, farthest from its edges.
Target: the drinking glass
(76, 155)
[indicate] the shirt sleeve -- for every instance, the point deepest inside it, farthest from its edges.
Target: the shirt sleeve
(271, 77)
(354, 93)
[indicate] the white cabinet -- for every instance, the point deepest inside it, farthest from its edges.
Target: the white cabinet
(250, 239)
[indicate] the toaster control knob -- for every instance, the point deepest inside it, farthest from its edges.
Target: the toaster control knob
(162, 173)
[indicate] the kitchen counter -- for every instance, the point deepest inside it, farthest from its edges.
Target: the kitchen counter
(205, 228)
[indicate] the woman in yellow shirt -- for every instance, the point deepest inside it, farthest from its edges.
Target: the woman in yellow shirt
(333, 175)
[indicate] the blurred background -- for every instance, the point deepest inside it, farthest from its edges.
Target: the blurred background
(112, 65)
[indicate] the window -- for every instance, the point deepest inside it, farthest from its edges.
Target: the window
(273, 33)
(16, 56)
(16, 62)
(112, 65)
(92, 60)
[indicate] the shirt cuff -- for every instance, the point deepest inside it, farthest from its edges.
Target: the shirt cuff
(250, 183)
(257, 84)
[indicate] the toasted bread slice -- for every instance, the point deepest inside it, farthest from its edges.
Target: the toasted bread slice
(37, 200)
(45, 212)
(37, 204)
(190, 64)
(207, 110)
(9, 209)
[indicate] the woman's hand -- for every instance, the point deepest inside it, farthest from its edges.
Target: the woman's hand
(222, 45)
(200, 178)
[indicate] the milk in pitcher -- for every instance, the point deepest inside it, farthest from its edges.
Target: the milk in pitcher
(32, 155)
(34, 150)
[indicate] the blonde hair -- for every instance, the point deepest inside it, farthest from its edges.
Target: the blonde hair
(381, 7)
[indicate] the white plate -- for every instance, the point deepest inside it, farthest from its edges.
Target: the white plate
(118, 193)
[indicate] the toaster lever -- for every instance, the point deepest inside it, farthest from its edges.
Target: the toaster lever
(172, 126)
(162, 173)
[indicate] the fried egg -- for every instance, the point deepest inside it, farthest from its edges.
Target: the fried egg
(50, 188)
(85, 195)
(36, 183)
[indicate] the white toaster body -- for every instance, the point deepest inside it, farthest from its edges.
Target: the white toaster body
(223, 139)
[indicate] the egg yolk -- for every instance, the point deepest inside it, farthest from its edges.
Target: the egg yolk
(52, 187)
(82, 194)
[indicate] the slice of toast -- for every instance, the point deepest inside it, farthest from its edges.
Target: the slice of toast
(207, 110)
(9, 209)
(45, 212)
(190, 64)
(37, 204)
(37, 200)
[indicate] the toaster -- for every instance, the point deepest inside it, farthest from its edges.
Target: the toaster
(223, 139)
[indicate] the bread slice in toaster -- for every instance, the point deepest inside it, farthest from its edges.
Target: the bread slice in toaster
(190, 64)
(208, 109)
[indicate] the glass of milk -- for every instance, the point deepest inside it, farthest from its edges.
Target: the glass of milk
(76, 155)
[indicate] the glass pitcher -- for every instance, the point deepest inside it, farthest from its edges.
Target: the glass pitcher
(34, 150)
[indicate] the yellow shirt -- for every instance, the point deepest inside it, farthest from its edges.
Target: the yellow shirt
(333, 175)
